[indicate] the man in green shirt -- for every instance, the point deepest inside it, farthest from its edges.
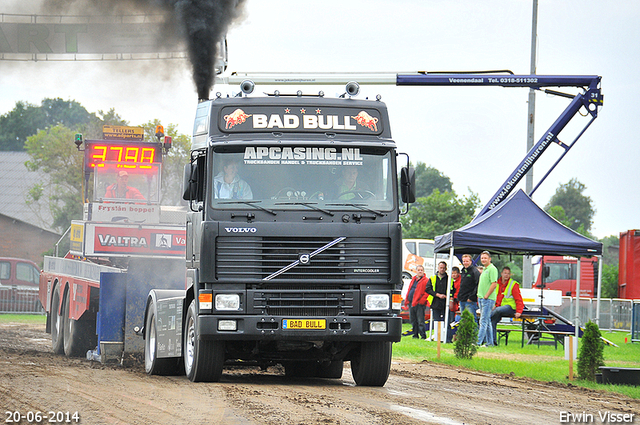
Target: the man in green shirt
(486, 298)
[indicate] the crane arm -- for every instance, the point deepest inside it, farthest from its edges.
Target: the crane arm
(591, 99)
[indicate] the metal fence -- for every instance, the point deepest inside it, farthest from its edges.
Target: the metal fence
(615, 314)
(20, 299)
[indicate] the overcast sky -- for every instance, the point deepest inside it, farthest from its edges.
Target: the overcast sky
(474, 135)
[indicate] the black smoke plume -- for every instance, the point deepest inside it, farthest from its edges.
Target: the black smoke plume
(204, 24)
(200, 24)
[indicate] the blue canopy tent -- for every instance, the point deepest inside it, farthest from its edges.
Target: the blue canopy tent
(518, 226)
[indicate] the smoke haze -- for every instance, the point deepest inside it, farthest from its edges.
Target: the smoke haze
(200, 24)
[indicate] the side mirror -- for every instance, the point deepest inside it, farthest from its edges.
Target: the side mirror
(188, 185)
(545, 272)
(193, 181)
(408, 185)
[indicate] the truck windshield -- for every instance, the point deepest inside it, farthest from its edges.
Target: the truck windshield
(303, 177)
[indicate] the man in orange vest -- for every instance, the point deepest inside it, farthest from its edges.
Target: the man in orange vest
(508, 302)
(121, 188)
(417, 302)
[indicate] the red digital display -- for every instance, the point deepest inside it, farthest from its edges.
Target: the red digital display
(127, 154)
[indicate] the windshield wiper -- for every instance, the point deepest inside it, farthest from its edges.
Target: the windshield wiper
(360, 207)
(250, 203)
(309, 205)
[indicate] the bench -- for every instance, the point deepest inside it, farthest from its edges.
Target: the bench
(504, 333)
(558, 336)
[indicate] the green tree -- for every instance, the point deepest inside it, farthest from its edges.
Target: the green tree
(438, 213)
(465, 346)
(578, 208)
(609, 281)
(611, 250)
(610, 259)
(591, 355)
(560, 215)
(173, 162)
(53, 152)
(428, 179)
(26, 120)
(92, 129)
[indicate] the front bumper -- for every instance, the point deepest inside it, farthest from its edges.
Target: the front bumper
(270, 328)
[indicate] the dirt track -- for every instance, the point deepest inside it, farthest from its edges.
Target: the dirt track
(33, 379)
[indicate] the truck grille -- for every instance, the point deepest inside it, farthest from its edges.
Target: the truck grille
(256, 258)
(307, 303)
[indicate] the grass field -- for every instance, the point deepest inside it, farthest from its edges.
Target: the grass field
(543, 363)
(23, 318)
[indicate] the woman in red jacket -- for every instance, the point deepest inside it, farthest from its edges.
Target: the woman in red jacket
(417, 302)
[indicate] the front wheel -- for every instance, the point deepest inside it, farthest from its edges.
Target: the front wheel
(203, 359)
(371, 365)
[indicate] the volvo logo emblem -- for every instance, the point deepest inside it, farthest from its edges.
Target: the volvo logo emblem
(304, 259)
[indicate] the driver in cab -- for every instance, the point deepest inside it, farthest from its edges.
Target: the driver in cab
(228, 185)
(348, 186)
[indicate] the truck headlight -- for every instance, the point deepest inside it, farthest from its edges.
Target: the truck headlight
(377, 302)
(228, 302)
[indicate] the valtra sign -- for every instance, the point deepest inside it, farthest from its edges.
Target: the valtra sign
(143, 241)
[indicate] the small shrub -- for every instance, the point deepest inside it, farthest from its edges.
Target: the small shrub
(466, 337)
(591, 355)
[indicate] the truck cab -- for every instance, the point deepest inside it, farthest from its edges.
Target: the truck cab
(560, 272)
(293, 240)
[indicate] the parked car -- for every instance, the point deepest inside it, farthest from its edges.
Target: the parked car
(19, 282)
(19, 272)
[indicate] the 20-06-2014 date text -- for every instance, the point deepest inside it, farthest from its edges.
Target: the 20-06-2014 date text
(37, 417)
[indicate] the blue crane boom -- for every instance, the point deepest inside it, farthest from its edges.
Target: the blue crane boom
(591, 99)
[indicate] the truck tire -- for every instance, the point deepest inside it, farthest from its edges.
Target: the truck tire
(77, 334)
(152, 364)
(57, 326)
(330, 370)
(203, 359)
(371, 365)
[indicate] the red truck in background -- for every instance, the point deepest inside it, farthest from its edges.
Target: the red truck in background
(559, 272)
(629, 265)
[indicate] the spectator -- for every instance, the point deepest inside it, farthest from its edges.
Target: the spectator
(486, 298)
(455, 289)
(437, 289)
(508, 301)
(417, 303)
(468, 294)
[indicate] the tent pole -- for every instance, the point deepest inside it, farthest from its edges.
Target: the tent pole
(599, 289)
(577, 319)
